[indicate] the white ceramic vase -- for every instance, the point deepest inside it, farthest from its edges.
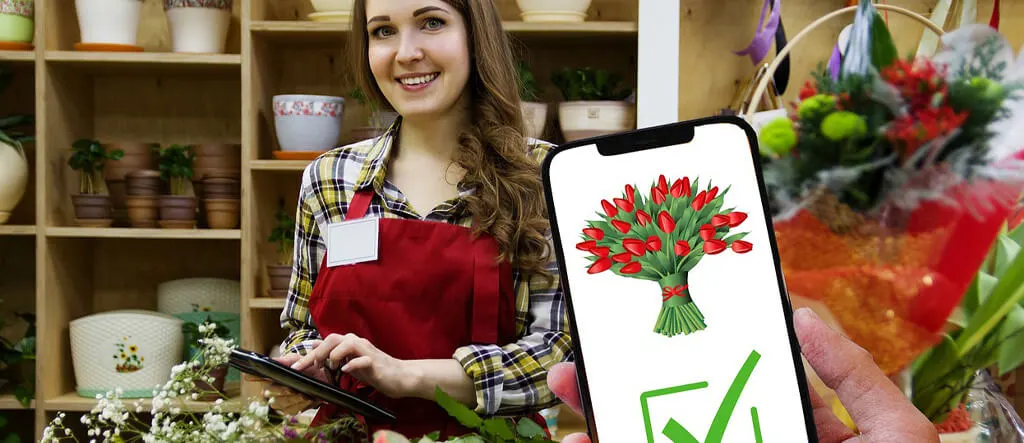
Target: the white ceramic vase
(332, 5)
(109, 21)
(13, 179)
(535, 116)
(308, 123)
(586, 119)
(553, 11)
(198, 27)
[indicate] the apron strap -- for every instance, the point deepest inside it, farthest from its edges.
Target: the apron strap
(359, 204)
(486, 291)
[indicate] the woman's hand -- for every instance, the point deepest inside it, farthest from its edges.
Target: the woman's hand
(287, 400)
(358, 357)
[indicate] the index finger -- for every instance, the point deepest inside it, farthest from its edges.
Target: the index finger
(875, 404)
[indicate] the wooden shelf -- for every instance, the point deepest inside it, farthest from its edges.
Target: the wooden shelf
(266, 303)
(161, 62)
(11, 230)
(9, 401)
(73, 402)
(307, 31)
(279, 165)
(175, 234)
(17, 56)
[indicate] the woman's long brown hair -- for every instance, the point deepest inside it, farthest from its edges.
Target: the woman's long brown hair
(508, 201)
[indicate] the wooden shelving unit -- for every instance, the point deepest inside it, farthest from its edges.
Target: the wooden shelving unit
(60, 271)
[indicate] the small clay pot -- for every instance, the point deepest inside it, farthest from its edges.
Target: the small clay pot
(178, 212)
(221, 188)
(144, 182)
(222, 213)
(92, 210)
(280, 277)
(209, 392)
(138, 156)
(216, 156)
(142, 210)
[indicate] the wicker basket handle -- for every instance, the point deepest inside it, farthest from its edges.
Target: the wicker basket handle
(763, 84)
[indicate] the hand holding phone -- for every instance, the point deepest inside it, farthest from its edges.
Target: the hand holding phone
(670, 268)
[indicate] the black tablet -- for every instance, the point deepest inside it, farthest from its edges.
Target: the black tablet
(262, 366)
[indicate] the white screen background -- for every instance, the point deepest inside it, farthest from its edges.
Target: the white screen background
(737, 293)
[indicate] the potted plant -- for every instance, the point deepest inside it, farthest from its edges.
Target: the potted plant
(17, 354)
(377, 119)
(178, 207)
(199, 26)
(283, 234)
(138, 156)
(553, 11)
(17, 22)
(594, 105)
(193, 334)
(110, 22)
(535, 112)
(13, 162)
(92, 202)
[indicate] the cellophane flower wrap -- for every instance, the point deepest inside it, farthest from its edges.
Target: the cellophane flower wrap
(889, 179)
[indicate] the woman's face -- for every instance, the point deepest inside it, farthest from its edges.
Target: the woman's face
(419, 54)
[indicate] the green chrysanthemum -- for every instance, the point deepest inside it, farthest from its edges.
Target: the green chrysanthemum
(816, 105)
(777, 137)
(843, 125)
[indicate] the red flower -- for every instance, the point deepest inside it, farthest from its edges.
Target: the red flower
(631, 268)
(629, 193)
(594, 233)
(622, 226)
(711, 194)
(698, 201)
(741, 247)
(642, 217)
(586, 245)
(735, 218)
(600, 265)
(609, 208)
(601, 251)
(653, 243)
(634, 246)
(624, 205)
(662, 185)
(707, 231)
(918, 81)
(657, 195)
(682, 248)
(665, 222)
(713, 246)
(719, 220)
(808, 91)
(681, 187)
(622, 257)
(919, 127)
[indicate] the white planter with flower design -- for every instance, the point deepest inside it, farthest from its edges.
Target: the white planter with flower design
(198, 26)
(308, 123)
(199, 295)
(109, 21)
(133, 350)
(17, 20)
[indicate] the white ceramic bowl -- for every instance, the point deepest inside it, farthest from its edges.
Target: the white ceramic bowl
(199, 295)
(585, 119)
(553, 11)
(129, 349)
(332, 5)
(308, 122)
(109, 21)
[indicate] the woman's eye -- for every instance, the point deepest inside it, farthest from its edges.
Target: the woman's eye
(382, 31)
(434, 23)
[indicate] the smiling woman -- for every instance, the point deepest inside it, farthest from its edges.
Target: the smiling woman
(452, 283)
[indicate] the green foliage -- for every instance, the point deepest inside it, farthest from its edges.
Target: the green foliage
(589, 84)
(176, 164)
(15, 354)
(283, 234)
(10, 438)
(89, 157)
(14, 129)
(528, 90)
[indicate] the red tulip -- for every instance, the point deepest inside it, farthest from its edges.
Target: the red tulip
(594, 233)
(642, 218)
(586, 245)
(657, 196)
(629, 193)
(698, 201)
(707, 232)
(622, 257)
(681, 187)
(609, 208)
(741, 247)
(662, 185)
(713, 246)
(600, 265)
(624, 205)
(634, 246)
(682, 248)
(719, 220)
(653, 243)
(735, 218)
(665, 222)
(712, 193)
(631, 268)
(622, 226)
(601, 251)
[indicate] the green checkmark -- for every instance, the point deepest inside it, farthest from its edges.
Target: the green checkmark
(679, 434)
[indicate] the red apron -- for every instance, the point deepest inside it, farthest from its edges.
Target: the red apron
(432, 289)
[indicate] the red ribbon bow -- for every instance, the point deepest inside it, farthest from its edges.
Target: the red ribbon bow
(669, 292)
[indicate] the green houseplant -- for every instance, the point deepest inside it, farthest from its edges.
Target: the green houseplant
(92, 202)
(594, 103)
(535, 112)
(178, 208)
(208, 390)
(13, 161)
(283, 236)
(377, 119)
(17, 354)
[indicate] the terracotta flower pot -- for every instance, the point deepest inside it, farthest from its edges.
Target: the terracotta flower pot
(217, 158)
(137, 156)
(92, 210)
(178, 212)
(208, 392)
(144, 182)
(280, 277)
(142, 210)
(221, 188)
(222, 213)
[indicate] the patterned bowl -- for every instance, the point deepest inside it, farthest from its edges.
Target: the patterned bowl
(308, 122)
(199, 295)
(17, 20)
(129, 349)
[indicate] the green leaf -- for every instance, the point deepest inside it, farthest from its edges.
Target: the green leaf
(986, 283)
(1008, 293)
(499, 427)
(1011, 334)
(1006, 251)
(529, 428)
(459, 411)
(1017, 234)
(959, 317)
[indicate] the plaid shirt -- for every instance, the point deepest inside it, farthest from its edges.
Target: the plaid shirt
(509, 379)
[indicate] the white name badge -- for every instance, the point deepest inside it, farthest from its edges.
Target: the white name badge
(352, 241)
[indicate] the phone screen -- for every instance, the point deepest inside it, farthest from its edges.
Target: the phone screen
(679, 312)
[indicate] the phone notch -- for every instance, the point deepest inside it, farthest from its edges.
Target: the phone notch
(644, 139)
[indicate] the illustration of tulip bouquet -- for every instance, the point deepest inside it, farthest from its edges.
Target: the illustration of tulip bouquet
(661, 237)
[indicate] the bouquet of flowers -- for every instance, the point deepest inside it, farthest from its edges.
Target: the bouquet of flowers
(890, 179)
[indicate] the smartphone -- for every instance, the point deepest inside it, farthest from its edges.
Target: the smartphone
(680, 319)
